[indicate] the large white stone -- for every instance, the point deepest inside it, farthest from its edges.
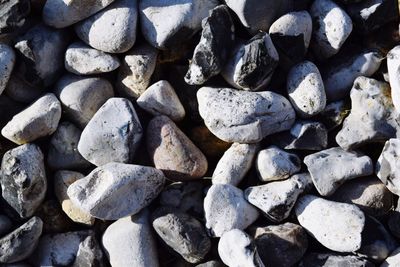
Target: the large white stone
(388, 166)
(393, 65)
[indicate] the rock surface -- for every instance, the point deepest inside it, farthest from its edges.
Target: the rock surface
(13, 16)
(7, 62)
(89, 253)
(333, 260)
(393, 259)
(393, 65)
(387, 167)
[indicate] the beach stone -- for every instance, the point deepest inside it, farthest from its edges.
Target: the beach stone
(161, 99)
(372, 117)
(40, 119)
(7, 62)
(329, 221)
(234, 164)
(393, 260)
(81, 97)
(387, 167)
(5, 225)
(116, 190)
(185, 20)
(173, 152)
(393, 64)
(13, 16)
(334, 114)
(112, 135)
(81, 59)
(23, 181)
(244, 117)
(129, 242)
(275, 164)
(333, 260)
(89, 254)
(226, 208)
(332, 167)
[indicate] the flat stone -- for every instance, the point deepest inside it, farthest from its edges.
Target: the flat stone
(89, 254)
(332, 167)
(393, 260)
(23, 180)
(333, 260)
(116, 190)
(226, 208)
(161, 99)
(40, 119)
(329, 221)
(81, 59)
(5, 225)
(7, 62)
(13, 16)
(244, 117)
(173, 152)
(393, 64)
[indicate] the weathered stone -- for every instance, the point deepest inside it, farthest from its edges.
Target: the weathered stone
(333, 260)
(7, 62)
(89, 254)
(19, 90)
(393, 65)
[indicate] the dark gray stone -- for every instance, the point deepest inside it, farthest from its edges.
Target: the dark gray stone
(333, 260)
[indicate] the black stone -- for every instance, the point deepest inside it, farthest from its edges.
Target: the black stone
(291, 49)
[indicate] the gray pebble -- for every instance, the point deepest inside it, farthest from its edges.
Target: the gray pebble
(7, 61)
(333, 260)
(388, 168)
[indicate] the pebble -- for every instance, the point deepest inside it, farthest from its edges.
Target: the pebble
(306, 89)
(61, 14)
(244, 117)
(212, 51)
(7, 62)
(5, 225)
(40, 119)
(161, 99)
(23, 182)
(329, 221)
(332, 167)
(112, 135)
(20, 243)
(81, 97)
(234, 164)
(393, 260)
(185, 20)
(89, 254)
(275, 164)
(13, 16)
(281, 245)
(81, 59)
(277, 199)
(333, 260)
(226, 208)
(252, 63)
(183, 233)
(332, 27)
(393, 64)
(120, 21)
(173, 152)
(116, 190)
(129, 242)
(387, 167)
(62, 180)
(236, 249)
(372, 117)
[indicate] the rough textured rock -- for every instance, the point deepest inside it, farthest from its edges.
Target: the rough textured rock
(23, 180)
(7, 62)
(89, 254)
(211, 264)
(244, 117)
(393, 65)
(387, 167)
(333, 260)
(13, 15)
(116, 190)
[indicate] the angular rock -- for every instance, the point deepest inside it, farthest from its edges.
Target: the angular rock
(7, 62)
(89, 254)
(13, 16)
(332, 167)
(393, 65)
(244, 117)
(173, 152)
(333, 260)
(116, 190)
(5, 225)
(38, 120)
(226, 208)
(387, 167)
(393, 260)
(23, 181)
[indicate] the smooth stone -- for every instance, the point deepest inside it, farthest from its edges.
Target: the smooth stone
(388, 168)
(81, 59)
(333, 26)
(393, 65)
(275, 164)
(236, 249)
(129, 242)
(334, 114)
(183, 233)
(252, 63)
(63, 148)
(393, 260)
(329, 221)
(63, 13)
(234, 164)
(276, 199)
(81, 97)
(333, 260)
(173, 152)
(281, 245)
(13, 16)
(112, 134)
(7, 62)
(5, 225)
(20, 91)
(116, 190)
(339, 78)
(89, 254)
(306, 89)
(372, 117)
(20, 243)
(185, 20)
(332, 167)
(40, 119)
(23, 181)
(212, 51)
(62, 180)
(111, 30)
(244, 117)
(226, 208)
(161, 99)
(136, 69)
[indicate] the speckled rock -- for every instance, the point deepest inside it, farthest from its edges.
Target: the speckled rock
(393, 65)
(19, 90)
(7, 62)
(387, 167)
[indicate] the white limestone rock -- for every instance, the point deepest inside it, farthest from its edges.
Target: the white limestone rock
(388, 166)
(393, 65)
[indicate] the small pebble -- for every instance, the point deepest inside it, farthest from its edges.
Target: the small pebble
(7, 62)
